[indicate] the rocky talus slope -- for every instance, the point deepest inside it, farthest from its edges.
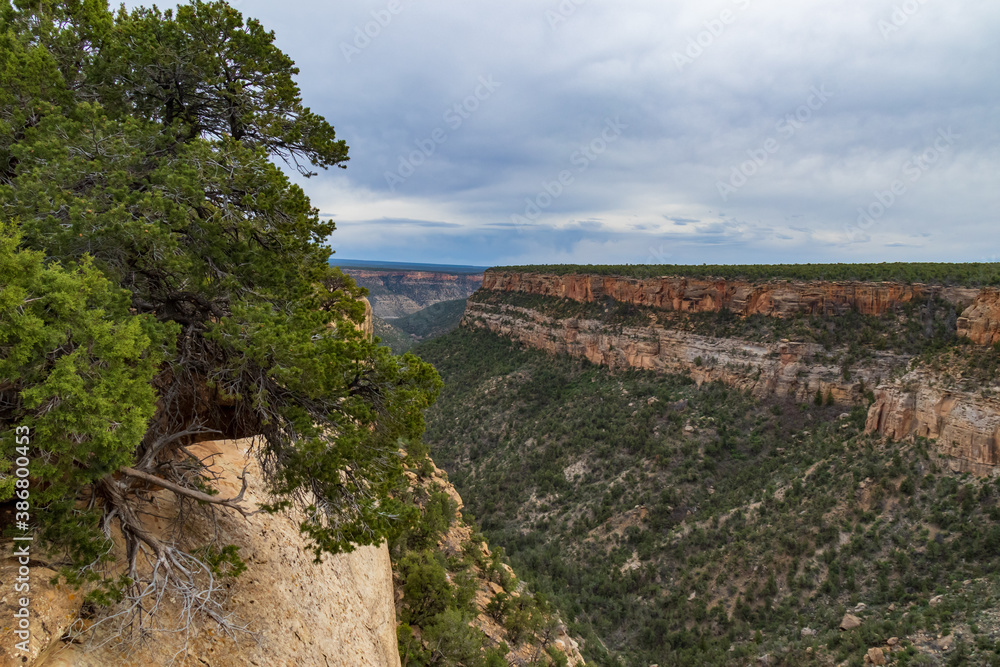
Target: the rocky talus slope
(910, 400)
(459, 539)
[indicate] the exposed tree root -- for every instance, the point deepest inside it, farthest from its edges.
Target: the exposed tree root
(158, 570)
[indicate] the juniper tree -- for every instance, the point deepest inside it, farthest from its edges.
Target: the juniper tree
(139, 146)
(75, 369)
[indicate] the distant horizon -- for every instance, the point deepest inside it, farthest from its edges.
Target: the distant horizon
(363, 263)
(350, 263)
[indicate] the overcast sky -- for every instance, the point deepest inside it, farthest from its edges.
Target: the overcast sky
(652, 131)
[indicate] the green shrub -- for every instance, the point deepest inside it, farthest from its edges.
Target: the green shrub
(426, 591)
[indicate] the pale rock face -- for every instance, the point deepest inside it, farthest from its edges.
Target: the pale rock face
(51, 611)
(849, 622)
(777, 298)
(368, 326)
(776, 369)
(339, 612)
(966, 425)
(980, 322)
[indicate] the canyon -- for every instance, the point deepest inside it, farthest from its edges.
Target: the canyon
(908, 400)
(395, 293)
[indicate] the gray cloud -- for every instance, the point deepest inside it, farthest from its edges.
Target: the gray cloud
(893, 86)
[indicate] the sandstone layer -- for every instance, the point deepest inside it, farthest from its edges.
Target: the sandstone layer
(777, 298)
(788, 369)
(339, 612)
(368, 326)
(980, 322)
(52, 610)
(966, 425)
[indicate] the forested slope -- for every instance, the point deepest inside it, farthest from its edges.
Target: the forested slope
(682, 525)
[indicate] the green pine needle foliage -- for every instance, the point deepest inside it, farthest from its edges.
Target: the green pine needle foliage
(162, 276)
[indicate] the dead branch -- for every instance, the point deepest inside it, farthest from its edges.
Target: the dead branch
(231, 503)
(168, 571)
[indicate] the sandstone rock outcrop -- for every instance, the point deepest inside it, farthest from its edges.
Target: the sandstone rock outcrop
(368, 326)
(965, 424)
(875, 656)
(776, 369)
(849, 622)
(980, 322)
(778, 298)
(339, 612)
(51, 611)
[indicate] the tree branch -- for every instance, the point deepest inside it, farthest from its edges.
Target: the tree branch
(231, 503)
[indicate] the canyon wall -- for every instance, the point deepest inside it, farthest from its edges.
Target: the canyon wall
(908, 402)
(965, 424)
(776, 297)
(980, 322)
(786, 369)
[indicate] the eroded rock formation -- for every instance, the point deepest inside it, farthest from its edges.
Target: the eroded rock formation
(776, 297)
(790, 369)
(368, 326)
(338, 612)
(965, 424)
(980, 322)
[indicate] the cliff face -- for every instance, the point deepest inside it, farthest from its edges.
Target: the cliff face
(368, 326)
(966, 425)
(980, 322)
(338, 612)
(778, 298)
(781, 369)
